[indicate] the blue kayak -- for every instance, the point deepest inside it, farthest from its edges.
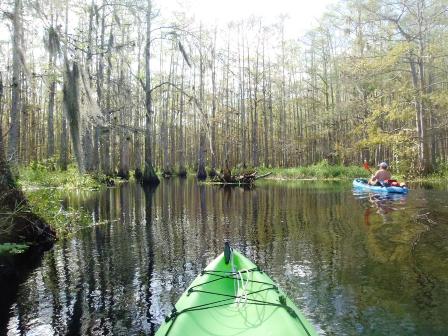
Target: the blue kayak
(364, 185)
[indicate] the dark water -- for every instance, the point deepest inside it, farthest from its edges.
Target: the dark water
(355, 264)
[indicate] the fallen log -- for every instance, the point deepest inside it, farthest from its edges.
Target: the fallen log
(264, 175)
(246, 179)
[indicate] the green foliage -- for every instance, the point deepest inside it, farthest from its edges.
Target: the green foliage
(46, 187)
(321, 170)
(12, 248)
(45, 175)
(441, 171)
(48, 204)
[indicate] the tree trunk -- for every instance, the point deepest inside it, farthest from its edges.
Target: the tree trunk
(99, 93)
(182, 170)
(420, 117)
(271, 119)
(265, 119)
(138, 159)
(72, 108)
(228, 109)
(63, 159)
(2, 150)
(164, 139)
(106, 133)
(94, 130)
(87, 144)
(123, 172)
(213, 122)
(282, 135)
(14, 130)
(242, 107)
(201, 174)
(51, 95)
(149, 175)
(255, 157)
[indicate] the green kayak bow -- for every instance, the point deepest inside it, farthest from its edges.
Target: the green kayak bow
(232, 296)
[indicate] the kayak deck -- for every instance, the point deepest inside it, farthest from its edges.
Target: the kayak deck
(235, 298)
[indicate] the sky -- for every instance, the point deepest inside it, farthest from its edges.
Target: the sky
(303, 14)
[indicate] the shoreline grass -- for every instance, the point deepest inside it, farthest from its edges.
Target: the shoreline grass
(322, 171)
(49, 205)
(325, 171)
(318, 171)
(39, 176)
(45, 190)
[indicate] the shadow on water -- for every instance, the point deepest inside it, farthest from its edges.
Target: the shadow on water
(355, 264)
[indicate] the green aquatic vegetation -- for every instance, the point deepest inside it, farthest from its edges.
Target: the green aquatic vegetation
(46, 187)
(49, 204)
(12, 248)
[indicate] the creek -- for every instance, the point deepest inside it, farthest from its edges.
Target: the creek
(354, 263)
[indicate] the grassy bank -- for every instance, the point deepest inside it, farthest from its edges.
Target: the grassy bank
(46, 189)
(317, 171)
(321, 170)
(324, 171)
(49, 204)
(439, 175)
(39, 176)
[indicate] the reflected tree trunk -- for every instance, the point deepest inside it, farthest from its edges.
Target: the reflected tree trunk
(149, 193)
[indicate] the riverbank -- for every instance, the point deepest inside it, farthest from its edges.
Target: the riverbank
(320, 171)
(39, 176)
(317, 171)
(20, 226)
(46, 189)
(325, 171)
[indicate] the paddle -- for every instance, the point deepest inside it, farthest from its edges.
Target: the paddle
(366, 167)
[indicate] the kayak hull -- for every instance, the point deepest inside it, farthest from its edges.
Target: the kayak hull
(234, 299)
(363, 185)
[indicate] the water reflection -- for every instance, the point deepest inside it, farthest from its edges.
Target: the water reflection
(380, 203)
(384, 275)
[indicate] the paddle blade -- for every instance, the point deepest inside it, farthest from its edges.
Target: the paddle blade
(366, 165)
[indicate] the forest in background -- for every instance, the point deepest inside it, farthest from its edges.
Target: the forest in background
(118, 86)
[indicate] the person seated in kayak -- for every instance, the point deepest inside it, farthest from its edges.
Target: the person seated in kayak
(381, 175)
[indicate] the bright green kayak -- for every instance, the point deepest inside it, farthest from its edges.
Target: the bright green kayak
(233, 297)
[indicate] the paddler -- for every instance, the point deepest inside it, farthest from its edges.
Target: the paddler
(381, 175)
